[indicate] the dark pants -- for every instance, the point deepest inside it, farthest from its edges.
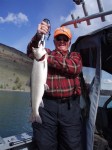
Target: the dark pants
(61, 128)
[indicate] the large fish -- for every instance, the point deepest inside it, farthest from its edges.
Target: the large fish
(38, 82)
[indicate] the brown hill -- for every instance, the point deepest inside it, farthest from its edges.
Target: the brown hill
(15, 69)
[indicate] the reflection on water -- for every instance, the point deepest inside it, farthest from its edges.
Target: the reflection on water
(14, 113)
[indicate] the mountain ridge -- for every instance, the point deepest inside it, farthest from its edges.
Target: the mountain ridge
(15, 69)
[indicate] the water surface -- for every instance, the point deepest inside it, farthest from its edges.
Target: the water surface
(14, 113)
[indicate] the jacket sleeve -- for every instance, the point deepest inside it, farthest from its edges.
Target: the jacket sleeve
(71, 65)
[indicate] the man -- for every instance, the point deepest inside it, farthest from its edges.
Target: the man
(61, 127)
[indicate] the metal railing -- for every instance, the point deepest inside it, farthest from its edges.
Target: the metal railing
(88, 17)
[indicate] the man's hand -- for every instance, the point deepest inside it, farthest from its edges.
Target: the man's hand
(43, 28)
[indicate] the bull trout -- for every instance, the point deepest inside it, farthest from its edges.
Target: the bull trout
(38, 82)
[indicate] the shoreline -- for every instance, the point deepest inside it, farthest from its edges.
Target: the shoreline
(9, 90)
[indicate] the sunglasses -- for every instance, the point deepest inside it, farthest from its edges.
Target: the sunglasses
(62, 38)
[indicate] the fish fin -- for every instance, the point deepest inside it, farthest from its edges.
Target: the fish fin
(38, 119)
(46, 87)
(34, 118)
(42, 103)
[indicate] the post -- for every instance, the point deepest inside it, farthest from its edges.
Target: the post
(73, 18)
(85, 12)
(101, 9)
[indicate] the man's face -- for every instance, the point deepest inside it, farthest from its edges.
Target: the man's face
(62, 42)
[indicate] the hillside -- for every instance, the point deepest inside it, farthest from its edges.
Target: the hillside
(15, 69)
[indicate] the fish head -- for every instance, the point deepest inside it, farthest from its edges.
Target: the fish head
(39, 52)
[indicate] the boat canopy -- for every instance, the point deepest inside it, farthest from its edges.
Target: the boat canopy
(88, 45)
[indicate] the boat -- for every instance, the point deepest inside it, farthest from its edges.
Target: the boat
(95, 49)
(17, 142)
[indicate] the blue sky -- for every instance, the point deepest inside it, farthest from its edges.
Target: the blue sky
(19, 20)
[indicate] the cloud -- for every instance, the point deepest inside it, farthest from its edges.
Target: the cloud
(106, 84)
(107, 81)
(91, 8)
(17, 19)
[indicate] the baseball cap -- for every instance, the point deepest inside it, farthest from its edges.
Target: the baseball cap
(63, 30)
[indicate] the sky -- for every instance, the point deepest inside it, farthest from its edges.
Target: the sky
(19, 20)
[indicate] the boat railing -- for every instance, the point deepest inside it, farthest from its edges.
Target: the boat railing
(102, 13)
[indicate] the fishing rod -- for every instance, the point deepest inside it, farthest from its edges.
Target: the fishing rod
(42, 41)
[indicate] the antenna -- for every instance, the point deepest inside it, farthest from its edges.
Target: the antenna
(87, 17)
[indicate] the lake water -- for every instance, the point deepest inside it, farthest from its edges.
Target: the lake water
(14, 113)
